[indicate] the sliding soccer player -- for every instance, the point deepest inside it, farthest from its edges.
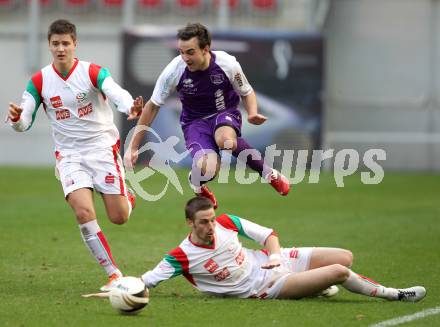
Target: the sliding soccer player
(214, 261)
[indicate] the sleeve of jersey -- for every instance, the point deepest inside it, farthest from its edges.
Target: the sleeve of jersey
(30, 102)
(245, 228)
(166, 82)
(168, 268)
(102, 80)
(120, 97)
(239, 80)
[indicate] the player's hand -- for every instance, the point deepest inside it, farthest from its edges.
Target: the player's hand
(271, 264)
(130, 158)
(256, 119)
(14, 112)
(136, 108)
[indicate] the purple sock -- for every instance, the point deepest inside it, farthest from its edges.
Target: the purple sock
(258, 165)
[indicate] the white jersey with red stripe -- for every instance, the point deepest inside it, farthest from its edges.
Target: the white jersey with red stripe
(76, 105)
(225, 267)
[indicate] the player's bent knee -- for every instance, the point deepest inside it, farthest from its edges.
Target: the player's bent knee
(347, 259)
(227, 143)
(119, 218)
(341, 273)
(84, 214)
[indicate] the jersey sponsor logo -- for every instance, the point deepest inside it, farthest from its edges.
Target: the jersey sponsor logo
(222, 275)
(62, 114)
(211, 266)
(188, 82)
(238, 79)
(219, 100)
(188, 86)
(240, 258)
(110, 179)
(217, 79)
(83, 111)
(81, 97)
(56, 101)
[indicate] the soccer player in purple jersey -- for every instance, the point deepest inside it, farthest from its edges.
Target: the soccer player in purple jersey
(210, 85)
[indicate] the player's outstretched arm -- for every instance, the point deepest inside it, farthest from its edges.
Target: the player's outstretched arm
(147, 117)
(250, 104)
(273, 246)
(22, 116)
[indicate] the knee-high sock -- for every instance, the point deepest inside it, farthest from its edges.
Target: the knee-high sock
(363, 285)
(196, 179)
(255, 164)
(98, 246)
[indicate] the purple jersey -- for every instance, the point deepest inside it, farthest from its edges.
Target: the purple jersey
(203, 93)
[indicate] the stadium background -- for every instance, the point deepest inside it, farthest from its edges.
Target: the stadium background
(379, 89)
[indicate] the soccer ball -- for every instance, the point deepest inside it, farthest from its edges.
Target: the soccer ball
(129, 295)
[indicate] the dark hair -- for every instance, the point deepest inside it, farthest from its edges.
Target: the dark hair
(195, 205)
(195, 30)
(62, 26)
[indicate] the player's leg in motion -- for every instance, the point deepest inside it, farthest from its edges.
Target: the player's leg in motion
(206, 161)
(329, 266)
(226, 139)
(204, 169)
(81, 201)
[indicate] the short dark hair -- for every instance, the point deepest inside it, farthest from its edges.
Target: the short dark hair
(62, 26)
(195, 30)
(195, 205)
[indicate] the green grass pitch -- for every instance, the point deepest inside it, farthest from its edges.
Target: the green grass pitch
(392, 228)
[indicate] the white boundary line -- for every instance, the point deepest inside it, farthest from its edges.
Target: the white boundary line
(408, 318)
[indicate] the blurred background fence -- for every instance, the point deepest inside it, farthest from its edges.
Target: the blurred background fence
(380, 66)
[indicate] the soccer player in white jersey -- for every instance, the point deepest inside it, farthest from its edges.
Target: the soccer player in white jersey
(210, 85)
(214, 261)
(74, 96)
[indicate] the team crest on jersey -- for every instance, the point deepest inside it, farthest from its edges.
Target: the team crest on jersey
(56, 101)
(217, 79)
(81, 97)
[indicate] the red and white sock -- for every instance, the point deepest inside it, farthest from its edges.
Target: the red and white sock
(96, 242)
(366, 286)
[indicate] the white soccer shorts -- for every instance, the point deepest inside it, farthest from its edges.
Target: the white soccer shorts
(101, 170)
(294, 260)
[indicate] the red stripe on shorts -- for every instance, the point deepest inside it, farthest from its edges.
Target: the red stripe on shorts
(115, 149)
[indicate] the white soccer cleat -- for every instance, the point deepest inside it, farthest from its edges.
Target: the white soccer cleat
(112, 282)
(329, 292)
(412, 294)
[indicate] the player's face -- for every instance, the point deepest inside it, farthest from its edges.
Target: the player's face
(194, 57)
(203, 227)
(62, 48)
